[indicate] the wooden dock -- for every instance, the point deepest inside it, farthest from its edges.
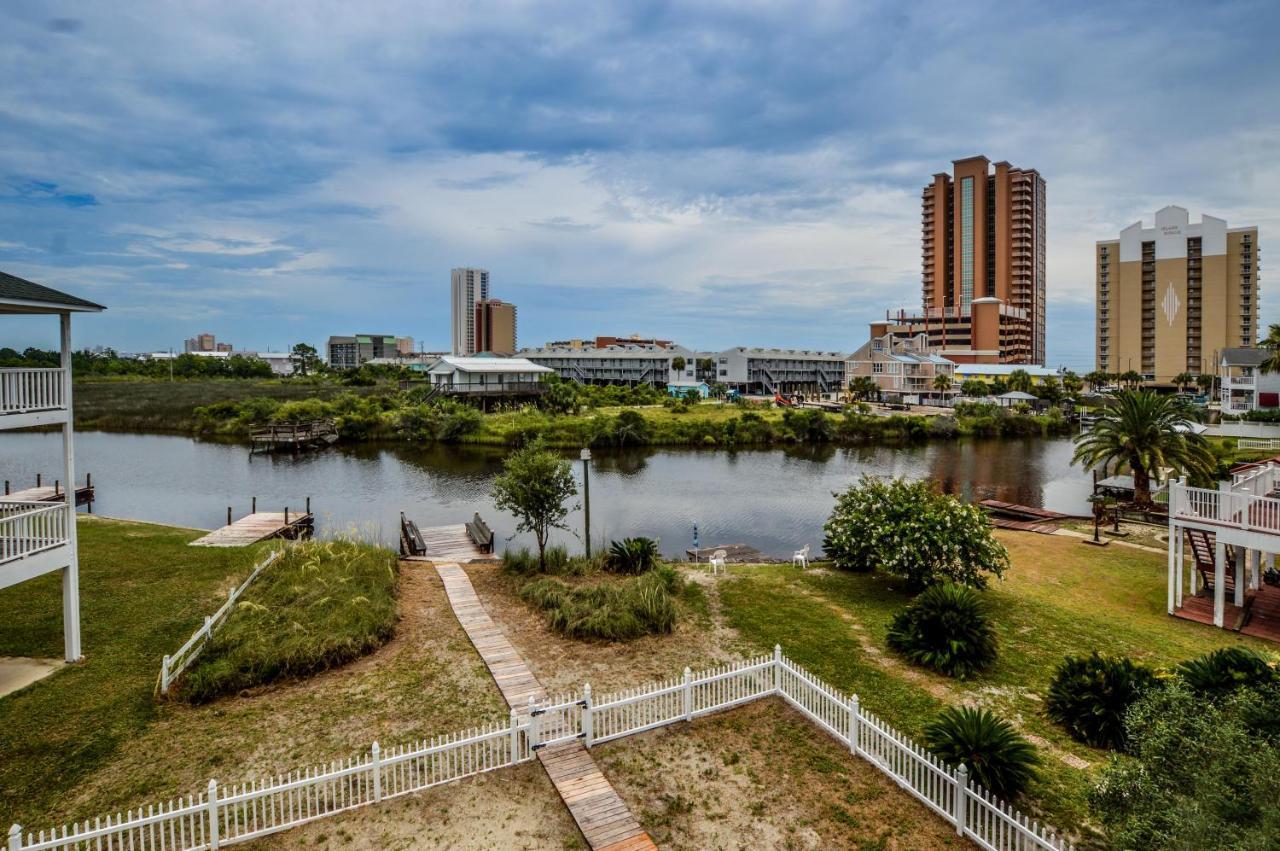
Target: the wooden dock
(1025, 518)
(733, 554)
(603, 817)
(442, 543)
(259, 526)
(292, 436)
(49, 493)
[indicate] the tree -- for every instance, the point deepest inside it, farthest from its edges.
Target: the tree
(942, 382)
(1049, 389)
(1205, 382)
(1072, 383)
(910, 530)
(1097, 379)
(1131, 378)
(1019, 380)
(974, 387)
(1271, 343)
(678, 363)
(305, 359)
(706, 367)
(534, 486)
(1143, 430)
(863, 387)
(1183, 380)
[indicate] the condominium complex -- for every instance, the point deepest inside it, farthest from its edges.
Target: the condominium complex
(983, 265)
(467, 287)
(902, 367)
(495, 327)
(352, 352)
(204, 343)
(1171, 298)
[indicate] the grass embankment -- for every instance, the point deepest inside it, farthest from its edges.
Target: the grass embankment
(135, 404)
(320, 605)
(1060, 597)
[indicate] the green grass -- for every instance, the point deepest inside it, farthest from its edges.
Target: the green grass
(320, 605)
(143, 591)
(1060, 597)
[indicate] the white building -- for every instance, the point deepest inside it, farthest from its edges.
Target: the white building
(467, 286)
(38, 535)
(1245, 387)
(626, 364)
(487, 376)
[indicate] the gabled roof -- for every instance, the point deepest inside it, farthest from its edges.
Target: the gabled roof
(1244, 357)
(450, 363)
(31, 297)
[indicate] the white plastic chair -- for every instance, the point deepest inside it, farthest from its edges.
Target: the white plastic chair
(717, 561)
(801, 557)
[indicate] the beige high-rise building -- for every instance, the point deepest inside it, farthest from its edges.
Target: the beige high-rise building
(495, 327)
(1171, 297)
(466, 286)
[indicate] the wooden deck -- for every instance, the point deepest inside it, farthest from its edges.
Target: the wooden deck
(1259, 618)
(452, 544)
(602, 816)
(259, 526)
(46, 493)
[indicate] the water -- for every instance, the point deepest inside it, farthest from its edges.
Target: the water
(774, 500)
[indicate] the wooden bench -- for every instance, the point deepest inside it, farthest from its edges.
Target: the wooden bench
(480, 533)
(411, 542)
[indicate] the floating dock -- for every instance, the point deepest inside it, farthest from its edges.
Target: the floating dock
(49, 493)
(260, 526)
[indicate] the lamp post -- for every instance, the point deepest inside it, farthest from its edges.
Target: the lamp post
(586, 499)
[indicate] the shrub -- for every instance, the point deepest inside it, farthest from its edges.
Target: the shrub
(614, 611)
(322, 604)
(946, 629)
(1225, 670)
(910, 530)
(632, 555)
(631, 429)
(999, 759)
(460, 422)
(1089, 696)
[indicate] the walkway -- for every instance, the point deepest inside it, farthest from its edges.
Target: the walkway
(602, 816)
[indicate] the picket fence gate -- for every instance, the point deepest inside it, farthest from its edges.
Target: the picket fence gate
(224, 815)
(172, 665)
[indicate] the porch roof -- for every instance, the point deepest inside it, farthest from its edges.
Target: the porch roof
(18, 295)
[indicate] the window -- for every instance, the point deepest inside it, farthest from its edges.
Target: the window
(877, 366)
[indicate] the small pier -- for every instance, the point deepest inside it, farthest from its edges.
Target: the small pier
(463, 543)
(260, 526)
(1024, 518)
(733, 554)
(293, 437)
(50, 493)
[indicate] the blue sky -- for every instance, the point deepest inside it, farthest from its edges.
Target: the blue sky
(719, 173)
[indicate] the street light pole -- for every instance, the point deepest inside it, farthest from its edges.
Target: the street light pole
(586, 499)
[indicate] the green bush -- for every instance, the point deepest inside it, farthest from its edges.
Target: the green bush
(632, 555)
(946, 629)
(521, 561)
(910, 530)
(460, 422)
(320, 605)
(1227, 669)
(999, 759)
(631, 429)
(612, 611)
(1090, 695)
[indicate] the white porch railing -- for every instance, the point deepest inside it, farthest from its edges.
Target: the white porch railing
(24, 389)
(27, 528)
(1256, 481)
(1225, 508)
(227, 815)
(1258, 443)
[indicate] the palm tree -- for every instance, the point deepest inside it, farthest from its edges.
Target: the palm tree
(1272, 345)
(1019, 380)
(1131, 378)
(1072, 383)
(942, 382)
(1096, 379)
(1142, 431)
(863, 387)
(1183, 380)
(973, 387)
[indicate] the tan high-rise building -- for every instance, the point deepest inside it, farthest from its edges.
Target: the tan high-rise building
(983, 253)
(1170, 298)
(495, 327)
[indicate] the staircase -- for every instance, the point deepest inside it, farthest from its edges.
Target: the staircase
(1202, 545)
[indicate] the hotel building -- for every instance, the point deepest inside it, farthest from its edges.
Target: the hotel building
(495, 327)
(1173, 297)
(467, 286)
(983, 266)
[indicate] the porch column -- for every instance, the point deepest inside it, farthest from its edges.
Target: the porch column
(70, 573)
(1180, 549)
(1255, 571)
(1242, 558)
(1173, 577)
(1219, 583)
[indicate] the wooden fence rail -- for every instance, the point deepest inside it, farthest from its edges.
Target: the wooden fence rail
(225, 815)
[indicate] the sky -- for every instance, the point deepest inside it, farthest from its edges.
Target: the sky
(720, 174)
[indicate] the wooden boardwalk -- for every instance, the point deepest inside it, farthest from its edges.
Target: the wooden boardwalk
(452, 544)
(259, 526)
(602, 816)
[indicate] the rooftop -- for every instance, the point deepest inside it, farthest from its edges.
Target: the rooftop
(19, 295)
(449, 363)
(1245, 357)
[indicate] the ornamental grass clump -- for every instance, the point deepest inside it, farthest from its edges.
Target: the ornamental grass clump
(1090, 696)
(617, 610)
(632, 555)
(998, 758)
(320, 605)
(910, 530)
(945, 628)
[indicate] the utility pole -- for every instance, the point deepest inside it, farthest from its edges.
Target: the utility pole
(586, 499)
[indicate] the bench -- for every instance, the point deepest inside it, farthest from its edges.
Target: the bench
(480, 533)
(411, 542)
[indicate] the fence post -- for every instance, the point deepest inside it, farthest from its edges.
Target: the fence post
(377, 773)
(213, 815)
(854, 718)
(15, 837)
(164, 675)
(588, 723)
(688, 694)
(961, 807)
(777, 669)
(533, 725)
(515, 738)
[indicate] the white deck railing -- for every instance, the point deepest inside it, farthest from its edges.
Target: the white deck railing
(1234, 509)
(224, 815)
(24, 389)
(1258, 443)
(27, 528)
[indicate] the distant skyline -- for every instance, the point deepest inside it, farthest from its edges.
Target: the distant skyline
(711, 173)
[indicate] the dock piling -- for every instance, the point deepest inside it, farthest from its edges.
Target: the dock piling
(228, 515)
(6, 487)
(286, 516)
(88, 480)
(308, 505)
(254, 509)
(56, 489)
(38, 481)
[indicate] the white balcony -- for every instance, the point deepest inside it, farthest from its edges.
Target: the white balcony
(32, 397)
(1237, 381)
(34, 539)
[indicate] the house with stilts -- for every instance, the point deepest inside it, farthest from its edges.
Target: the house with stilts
(40, 537)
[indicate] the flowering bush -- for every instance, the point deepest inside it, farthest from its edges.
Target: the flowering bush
(910, 530)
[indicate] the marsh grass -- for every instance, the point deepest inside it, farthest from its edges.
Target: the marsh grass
(609, 610)
(322, 604)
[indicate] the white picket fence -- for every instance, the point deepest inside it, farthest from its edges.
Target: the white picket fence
(1258, 443)
(224, 815)
(172, 665)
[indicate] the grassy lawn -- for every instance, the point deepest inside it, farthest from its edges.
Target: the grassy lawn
(1060, 597)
